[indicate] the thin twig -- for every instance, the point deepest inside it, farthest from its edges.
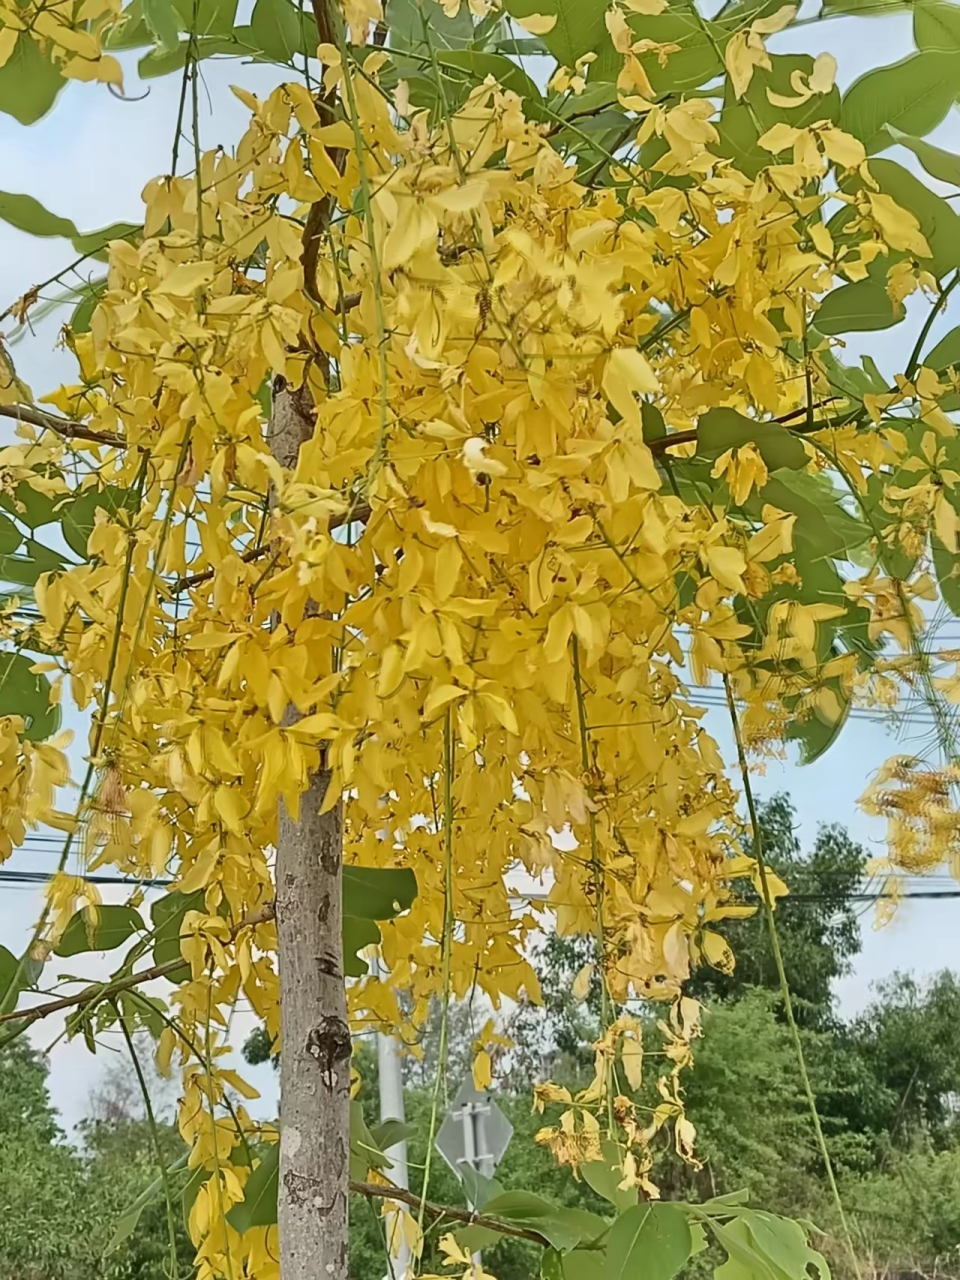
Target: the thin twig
(375, 1191)
(62, 426)
(756, 832)
(106, 990)
(359, 514)
(914, 362)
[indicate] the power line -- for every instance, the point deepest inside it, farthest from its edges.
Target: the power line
(43, 877)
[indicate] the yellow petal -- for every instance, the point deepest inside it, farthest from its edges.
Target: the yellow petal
(538, 24)
(482, 1071)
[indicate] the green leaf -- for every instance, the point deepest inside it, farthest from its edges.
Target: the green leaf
(579, 1264)
(945, 353)
(475, 1238)
(579, 28)
(10, 537)
(79, 516)
(275, 29)
(654, 427)
(357, 934)
(26, 569)
(208, 17)
(479, 1189)
(9, 986)
(27, 214)
(258, 1208)
(940, 164)
(192, 1190)
(743, 1260)
(815, 734)
(405, 23)
(390, 1133)
(27, 693)
(823, 522)
(783, 1243)
(857, 307)
(371, 894)
(29, 82)
(947, 566)
(31, 506)
(936, 26)
(211, 20)
(563, 1228)
(94, 243)
(938, 222)
(694, 62)
(914, 95)
(551, 1265)
(721, 429)
(365, 1151)
(161, 19)
(127, 1222)
(115, 925)
(131, 32)
(865, 8)
(527, 47)
(83, 312)
(157, 63)
(167, 915)
(652, 1240)
(742, 121)
(129, 1219)
(378, 893)
(604, 1176)
(477, 66)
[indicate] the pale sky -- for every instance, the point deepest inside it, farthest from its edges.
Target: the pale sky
(89, 160)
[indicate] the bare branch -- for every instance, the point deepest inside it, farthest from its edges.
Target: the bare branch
(376, 1191)
(105, 990)
(357, 514)
(62, 426)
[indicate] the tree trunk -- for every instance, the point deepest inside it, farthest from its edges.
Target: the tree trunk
(314, 1031)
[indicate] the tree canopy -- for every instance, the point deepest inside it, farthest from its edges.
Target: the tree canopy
(428, 447)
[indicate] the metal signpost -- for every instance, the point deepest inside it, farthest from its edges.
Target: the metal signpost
(391, 1108)
(474, 1135)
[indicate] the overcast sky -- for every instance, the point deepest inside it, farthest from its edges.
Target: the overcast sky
(89, 160)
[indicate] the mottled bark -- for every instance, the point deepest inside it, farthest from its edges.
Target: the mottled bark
(314, 1032)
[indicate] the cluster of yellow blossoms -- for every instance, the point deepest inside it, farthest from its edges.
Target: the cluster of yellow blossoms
(492, 537)
(63, 37)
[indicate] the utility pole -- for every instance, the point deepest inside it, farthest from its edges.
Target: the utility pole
(390, 1070)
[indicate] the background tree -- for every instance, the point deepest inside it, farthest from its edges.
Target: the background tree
(48, 1183)
(566, 392)
(818, 922)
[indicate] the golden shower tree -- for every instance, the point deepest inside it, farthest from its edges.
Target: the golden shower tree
(425, 449)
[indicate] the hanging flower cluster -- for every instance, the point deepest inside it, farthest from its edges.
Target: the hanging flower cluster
(532, 504)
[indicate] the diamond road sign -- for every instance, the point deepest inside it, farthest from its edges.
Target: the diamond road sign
(475, 1133)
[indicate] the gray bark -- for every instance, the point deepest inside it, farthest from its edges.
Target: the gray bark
(314, 1031)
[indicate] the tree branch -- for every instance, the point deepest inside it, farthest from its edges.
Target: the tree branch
(318, 218)
(375, 1191)
(62, 426)
(913, 364)
(108, 989)
(358, 513)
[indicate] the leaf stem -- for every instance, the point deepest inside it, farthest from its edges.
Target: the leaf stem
(155, 1137)
(758, 854)
(597, 872)
(449, 760)
(914, 362)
